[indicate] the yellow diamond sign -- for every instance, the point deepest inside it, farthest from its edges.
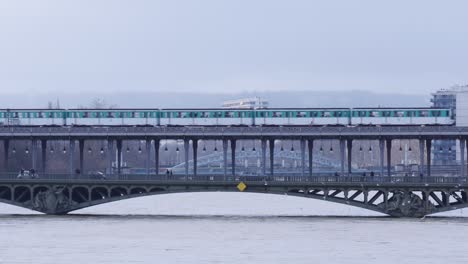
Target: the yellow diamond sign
(241, 186)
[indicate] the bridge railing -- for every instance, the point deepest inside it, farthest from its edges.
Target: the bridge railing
(234, 179)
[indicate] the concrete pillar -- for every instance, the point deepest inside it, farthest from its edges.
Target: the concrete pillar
(350, 155)
(303, 154)
(156, 155)
(110, 155)
(225, 162)
(233, 156)
(421, 156)
(310, 149)
(389, 157)
(6, 148)
(272, 156)
(43, 156)
(263, 161)
(71, 156)
(34, 154)
(186, 156)
(119, 156)
(428, 156)
(81, 149)
(342, 156)
(381, 152)
(195, 155)
(462, 157)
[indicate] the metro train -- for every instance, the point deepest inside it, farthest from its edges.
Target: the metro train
(227, 117)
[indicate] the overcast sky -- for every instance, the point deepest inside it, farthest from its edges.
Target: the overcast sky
(404, 46)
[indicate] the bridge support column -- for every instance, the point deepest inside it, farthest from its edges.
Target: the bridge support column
(71, 156)
(264, 145)
(233, 156)
(43, 156)
(156, 155)
(225, 162)
(310, 149)
(381, 152)
(272, 156)
(350, 155)
(303, 159)
(195, 155)
(119, 156)
(389, 157)
(462, 157)
(148, 156)
(421, 157)
(342, 156)
(186, 156)
(81, 150)
(34, 154)
(428, 156)
(6, 148)
(110, 155)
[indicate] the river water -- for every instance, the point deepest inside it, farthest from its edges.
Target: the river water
(229, 228)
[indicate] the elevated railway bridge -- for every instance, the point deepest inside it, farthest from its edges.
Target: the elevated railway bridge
(384, 191)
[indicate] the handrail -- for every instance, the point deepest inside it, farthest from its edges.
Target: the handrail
(238, 178)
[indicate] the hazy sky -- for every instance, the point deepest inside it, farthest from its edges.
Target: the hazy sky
(405, 46)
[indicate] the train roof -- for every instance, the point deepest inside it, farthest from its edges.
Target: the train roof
(399, 108)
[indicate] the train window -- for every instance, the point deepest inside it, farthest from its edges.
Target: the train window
(424, 113)
(326, 114)
(301, 114)
(409, 113)
(313, 114)
(435, 113)
(276, 114)
(386, 113)
(229, 114)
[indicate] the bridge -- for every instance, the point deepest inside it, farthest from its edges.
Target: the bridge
(385, 191)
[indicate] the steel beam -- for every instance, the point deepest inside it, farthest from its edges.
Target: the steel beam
(233, 156)
(381, 152)
(263, 146)
(342, 156)
(462, 157)
(81, 149)
(110, 155)
(303, 154)
(43, 156)
(310, 146)
(195, 155)
(156, 155)
(71, 156)
(272, 156)
(349, 145)
(389, 157)
(428, 156)
(421, 157)
(119, 156)
(34, 153)
(186, 156)
(225, 157)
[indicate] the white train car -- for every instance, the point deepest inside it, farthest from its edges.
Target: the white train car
(113, 117)
(302, 116)
(32, 117)
(401, 116)
(206, 117)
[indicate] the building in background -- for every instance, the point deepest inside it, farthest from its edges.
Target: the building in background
(445, 152)
(248, 103)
